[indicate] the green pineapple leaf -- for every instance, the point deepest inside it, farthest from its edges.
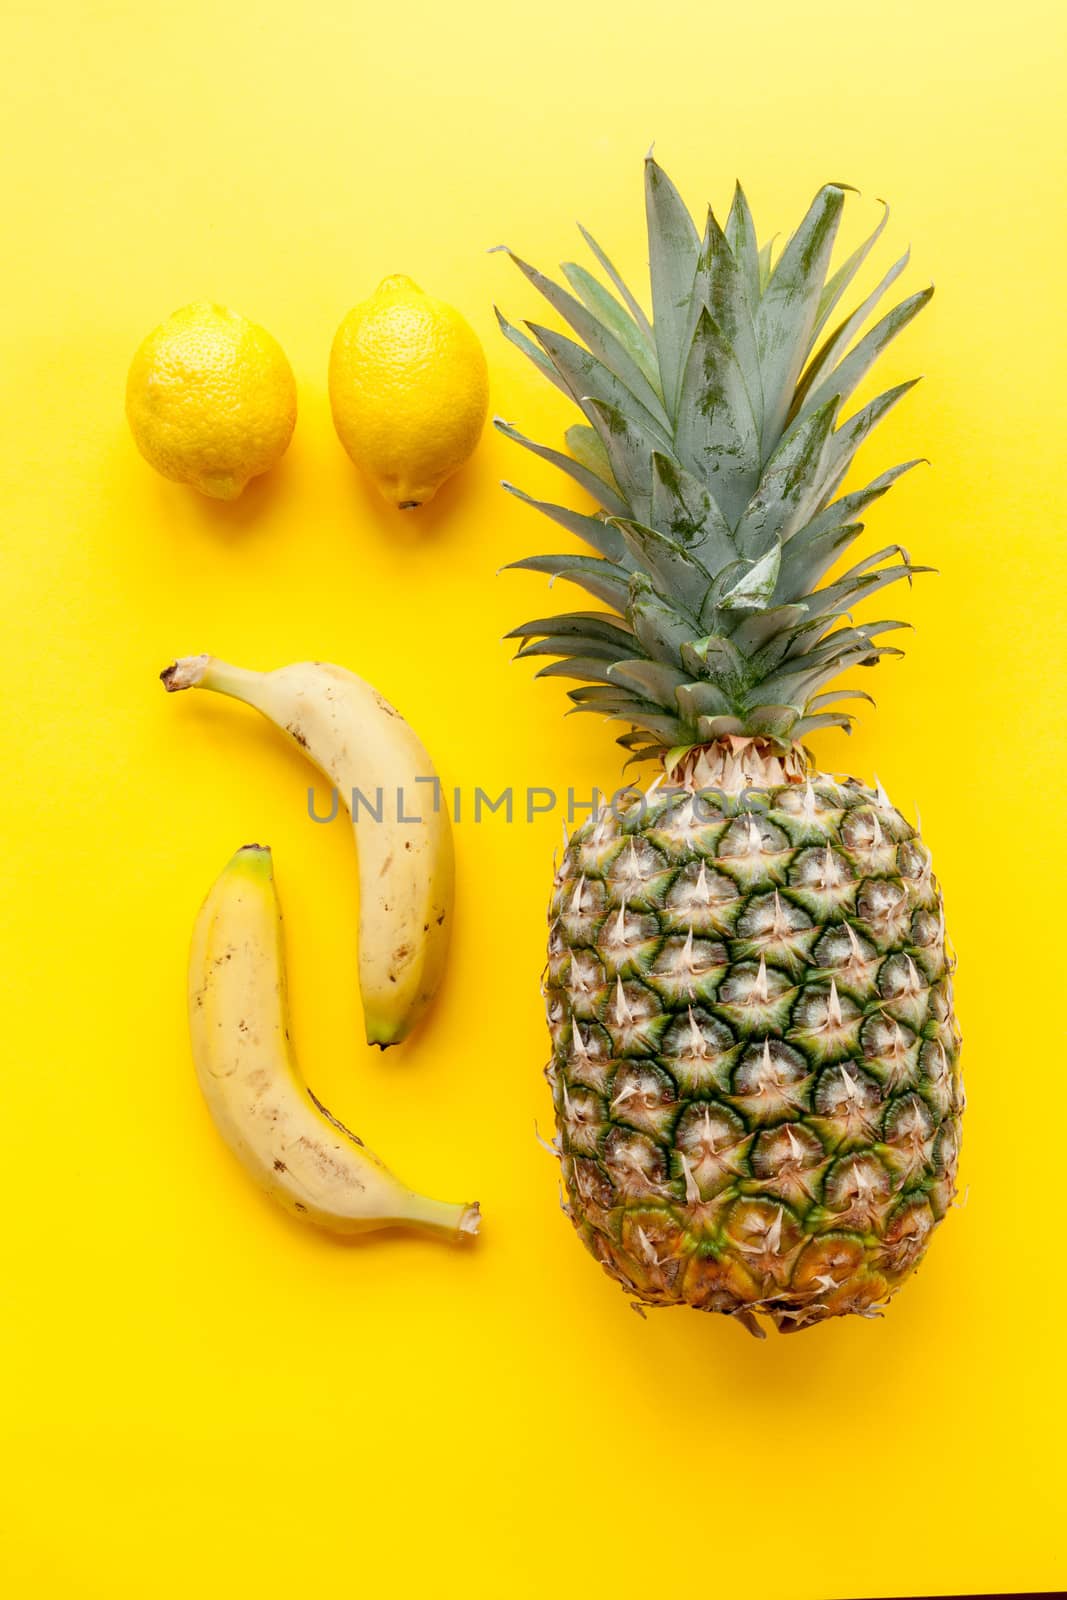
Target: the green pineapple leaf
(603, 625)
(602, 343)
(587, 447)
(616, 319)
(765, 256)
(702, 700)
(828, 719)
(756, 633)
(790, 303)
(717, 657)
(589, 379)
(834, 346)
(571, 644)
(804, 559)
(789, 490)
(720, 287)
(673, 247)
(684, 509)
(524, 343)
(606, 494)
(655, 680)
(864, 579)
(844, 443)
(631, 303)
(740, 233)
(839, 281)
(604, 539)
(675, 574)
(716, 438)
(855, 366)
(602, 579)
(660, 629)
(714, 446)
(629, 451)
(751, 589)
(832, 696)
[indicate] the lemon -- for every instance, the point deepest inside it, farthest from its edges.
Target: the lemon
(211, 399)
(409, 390)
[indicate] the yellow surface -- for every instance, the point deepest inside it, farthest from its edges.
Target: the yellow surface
(199, 1397)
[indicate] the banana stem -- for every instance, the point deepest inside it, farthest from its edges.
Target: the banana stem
(208, 672)
(456, 1222)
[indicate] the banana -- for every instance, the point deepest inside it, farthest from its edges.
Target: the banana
(238, 1022)
(361, 743)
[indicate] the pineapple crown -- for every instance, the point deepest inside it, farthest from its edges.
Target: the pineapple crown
(714, 447)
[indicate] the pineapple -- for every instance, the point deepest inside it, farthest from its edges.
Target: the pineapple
(754, 1051)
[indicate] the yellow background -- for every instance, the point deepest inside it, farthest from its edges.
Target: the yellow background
(200, 1397)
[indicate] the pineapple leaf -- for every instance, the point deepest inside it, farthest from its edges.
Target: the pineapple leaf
(809, 672)
(602, 343)
(752, 589)
(631, 303)
(849, 372)
(629, 451)
(616, 319)
(756, 633)
(714, 445)
(600, 625)
(603, 492)
(587, 668)
(849, 505)
(788, 492)
(837, 342)
(603, 538)
(669, 730)
(777, 722)
(571, 644)
(843, 645)
(862, 580)
(716, 438)
(718, 658)
(765, 255)
(589, 379)
(839, 281)
(804, 559)
(719, 727)
(702, 700)
(602, 579)
(828, 719)
(528, 348)
(790, 304)
(678, 577)
(656, 681)
(814, 547)
(741, 237)
(847, 439)
(660, 630)
(683, 508)
(586, 446)
(597, 694)
(673, 246)
(720, 287)
(834, 695)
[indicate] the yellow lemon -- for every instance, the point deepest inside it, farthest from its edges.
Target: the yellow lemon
(211, 399)
(409, 390)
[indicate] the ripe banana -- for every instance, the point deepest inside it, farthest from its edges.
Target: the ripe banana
(238, 1021)
(357, 739)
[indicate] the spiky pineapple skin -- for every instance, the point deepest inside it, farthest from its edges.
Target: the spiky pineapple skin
(778, 1139)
